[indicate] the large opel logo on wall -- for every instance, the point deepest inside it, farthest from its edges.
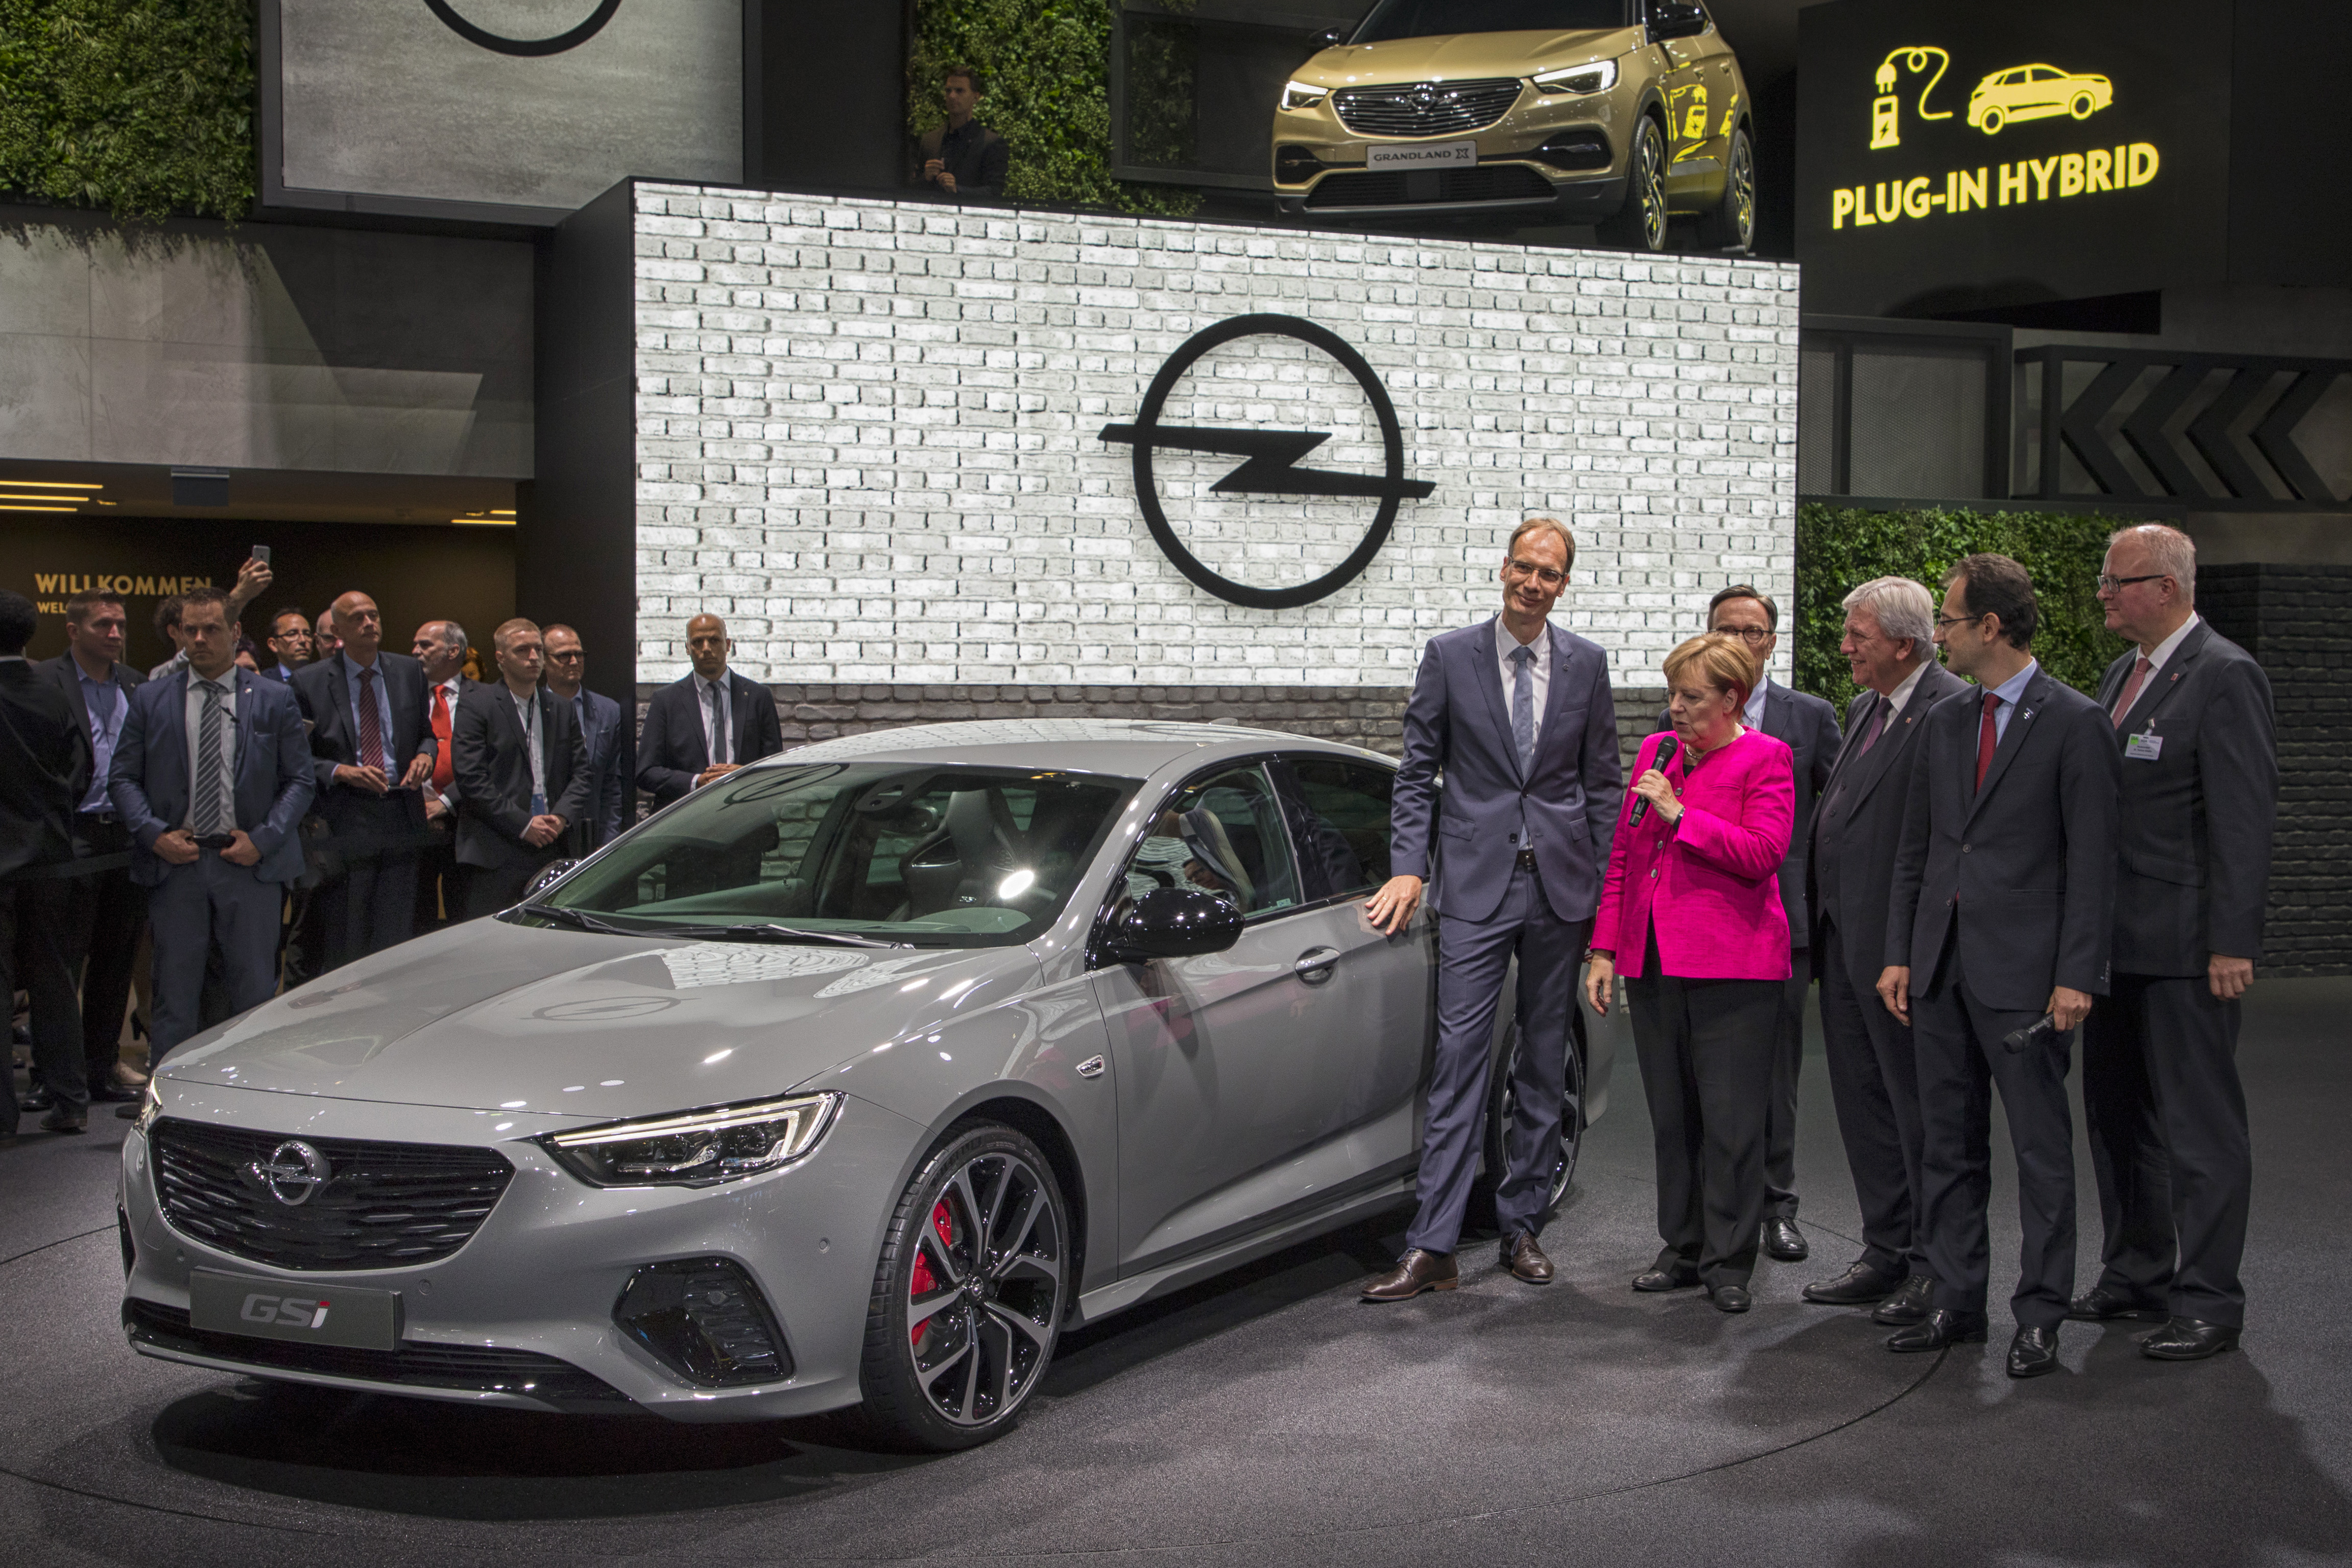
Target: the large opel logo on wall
(572, 38)
(1272, 462)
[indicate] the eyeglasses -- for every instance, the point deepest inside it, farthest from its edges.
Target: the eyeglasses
(1753, 636)
(1961, 620)
(1550, 576)
(2109, 584)
(569, 655)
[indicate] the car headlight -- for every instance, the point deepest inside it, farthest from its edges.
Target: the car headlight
(1597, 77)
(151, 1107)
(1300, 94)
(695, 1148)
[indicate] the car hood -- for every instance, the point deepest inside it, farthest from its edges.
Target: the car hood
(1462, 57)
(489, 1015)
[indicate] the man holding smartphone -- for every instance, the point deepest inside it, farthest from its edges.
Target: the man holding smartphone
(211, 776)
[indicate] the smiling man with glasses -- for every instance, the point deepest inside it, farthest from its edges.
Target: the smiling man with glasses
(1809, 727)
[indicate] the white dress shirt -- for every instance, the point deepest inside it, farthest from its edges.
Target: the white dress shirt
(198, 694)
(2166, 649)
(1901, 694)
(1752, 716)
(1505, 644)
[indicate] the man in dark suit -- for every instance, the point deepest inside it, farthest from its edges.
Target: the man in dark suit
(706, 725)
(1890, 628)
(44, 770)
(1809, 727)
(599, 717)
(1532, 782)
(522, 774)
(108, 910)
(211, 777)
(439, 649)
(290, 640)
(2001, 913)
(2192, 717)
(372, 752)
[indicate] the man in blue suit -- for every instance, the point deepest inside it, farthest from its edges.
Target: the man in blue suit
(599, 719)
(1516, 715)
(210, 776)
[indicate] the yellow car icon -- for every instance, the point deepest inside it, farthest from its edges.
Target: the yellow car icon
(2036, 92)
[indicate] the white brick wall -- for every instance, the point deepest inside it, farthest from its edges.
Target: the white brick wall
(868, 435)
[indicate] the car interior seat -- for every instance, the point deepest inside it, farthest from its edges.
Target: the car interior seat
(976, 846)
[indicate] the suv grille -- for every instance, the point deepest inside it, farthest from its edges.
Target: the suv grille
(479, 1369)
(1425, 107)
(384, 1206)
(1487, 183)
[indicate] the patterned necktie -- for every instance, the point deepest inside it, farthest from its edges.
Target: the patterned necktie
(1523, 706)
(2130, 694)
(213, 811)
(444, 759)
(719, 737)
(1988, 736)
(372, 751)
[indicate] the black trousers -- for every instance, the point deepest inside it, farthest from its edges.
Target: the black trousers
(109, 913)
(1875, 1083)
(35, 916)
(373, 905)
(1707, 1053)
(490, 888)
(2169, 1145)
(1961, 1058)
(1781, 1116)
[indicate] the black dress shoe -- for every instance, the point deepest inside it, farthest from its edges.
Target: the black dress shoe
(1666, 1280)
(128, 1112)
(112, 1094)
(1415, 1271)
(2101, 1303)
(1783, 1240)
(65, 1119)
(2033, 1352)
(2188, 1339)
(1857, 1287)
(1732, 1298)
(1526, 1260)
(1910, 1304)
(1942, 1329)
(37, 1098)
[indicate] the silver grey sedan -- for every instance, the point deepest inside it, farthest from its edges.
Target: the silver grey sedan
(851, 1079)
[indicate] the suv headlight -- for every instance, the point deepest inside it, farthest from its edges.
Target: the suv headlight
(1597, 77)
(695, 1148)
(1300, 94)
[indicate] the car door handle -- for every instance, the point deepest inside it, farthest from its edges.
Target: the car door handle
(1315, 965)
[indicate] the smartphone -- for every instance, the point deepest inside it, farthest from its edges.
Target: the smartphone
(261, 554)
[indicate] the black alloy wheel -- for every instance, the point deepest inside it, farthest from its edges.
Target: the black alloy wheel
(1730, 225)
(1502, 1103)
(969, 1292)
(1640, 223)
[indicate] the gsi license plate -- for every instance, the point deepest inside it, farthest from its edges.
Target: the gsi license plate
(1438, 155)
(277, 1309)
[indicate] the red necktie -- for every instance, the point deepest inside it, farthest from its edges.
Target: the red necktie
(2130, 694)
(372, 751)
(445, 762)
(1988, 736)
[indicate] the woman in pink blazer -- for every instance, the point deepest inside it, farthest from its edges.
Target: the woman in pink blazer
(1691, 914)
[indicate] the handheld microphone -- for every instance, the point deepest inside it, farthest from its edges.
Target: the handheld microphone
(2032, 1033)
(1665, 754)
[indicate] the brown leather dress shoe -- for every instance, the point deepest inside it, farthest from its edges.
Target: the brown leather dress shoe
(1527, 1259)
(1415, 1271)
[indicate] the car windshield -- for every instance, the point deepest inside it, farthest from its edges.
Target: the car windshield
(1434, 18)
(920, 853)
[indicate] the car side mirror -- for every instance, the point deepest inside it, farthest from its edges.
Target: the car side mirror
(1173, 922)
(1330, 38)
(546, 878)
(1675, 19)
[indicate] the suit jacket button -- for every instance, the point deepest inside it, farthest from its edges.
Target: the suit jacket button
(1964, 849)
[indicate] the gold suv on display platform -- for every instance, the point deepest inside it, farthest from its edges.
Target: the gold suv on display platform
(1621, 113)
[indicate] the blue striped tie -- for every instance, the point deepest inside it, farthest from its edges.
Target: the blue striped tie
(1523, 706)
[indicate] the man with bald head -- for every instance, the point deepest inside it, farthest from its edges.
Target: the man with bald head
(705, 724)
(371, 753)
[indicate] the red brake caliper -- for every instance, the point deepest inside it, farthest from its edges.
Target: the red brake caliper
(925, 1282)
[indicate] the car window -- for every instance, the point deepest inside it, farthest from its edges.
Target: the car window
(1224, 834)
(1434, 18)
(1341, 824)
(914, 853)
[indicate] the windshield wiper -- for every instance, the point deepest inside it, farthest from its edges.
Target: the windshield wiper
(768, 933)
(574, 917)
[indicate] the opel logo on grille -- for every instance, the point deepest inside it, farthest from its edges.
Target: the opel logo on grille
(293, 1172)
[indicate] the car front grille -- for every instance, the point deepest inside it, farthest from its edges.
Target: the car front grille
(1499, 183)
(1425, 107)
(384, 1206)
(417, 1364)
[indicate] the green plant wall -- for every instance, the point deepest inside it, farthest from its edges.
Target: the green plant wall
(1045, 78)
(140, 107)
(1838, 548)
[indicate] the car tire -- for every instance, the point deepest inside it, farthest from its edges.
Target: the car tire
(1992, 121)
(1730, 225)
(969, 1292)
(2083, 106)
(1640, 223)
(1500, 1103)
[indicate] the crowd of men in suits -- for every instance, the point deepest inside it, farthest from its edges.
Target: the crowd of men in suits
(263, 823)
